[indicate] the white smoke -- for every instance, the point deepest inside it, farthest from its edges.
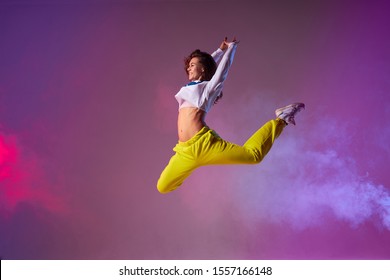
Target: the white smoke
(310, 177)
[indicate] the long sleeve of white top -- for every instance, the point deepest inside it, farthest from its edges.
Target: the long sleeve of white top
(217, 55)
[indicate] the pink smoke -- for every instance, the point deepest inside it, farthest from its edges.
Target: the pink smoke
(22, 179)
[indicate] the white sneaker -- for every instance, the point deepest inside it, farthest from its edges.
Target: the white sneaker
(288, 113)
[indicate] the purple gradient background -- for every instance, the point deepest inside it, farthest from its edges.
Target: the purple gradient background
(88, 122)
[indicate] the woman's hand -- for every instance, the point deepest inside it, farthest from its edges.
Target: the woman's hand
(225, 44)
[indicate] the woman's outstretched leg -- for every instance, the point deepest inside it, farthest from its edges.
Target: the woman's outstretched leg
(219, 151)
(216, 150)
(261, 142)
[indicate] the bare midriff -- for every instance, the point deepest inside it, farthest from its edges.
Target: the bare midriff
(189, 122)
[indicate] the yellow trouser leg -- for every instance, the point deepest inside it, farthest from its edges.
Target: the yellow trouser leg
(207, 148)
(219, 151)
(174, 174)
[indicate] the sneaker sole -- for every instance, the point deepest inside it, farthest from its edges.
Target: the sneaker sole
(297, 106)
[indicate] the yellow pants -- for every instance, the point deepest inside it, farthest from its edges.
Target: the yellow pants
(207, 148)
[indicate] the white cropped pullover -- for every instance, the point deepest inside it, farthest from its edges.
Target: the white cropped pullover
(203, 94)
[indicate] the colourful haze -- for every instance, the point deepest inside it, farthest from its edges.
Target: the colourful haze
(88, 122)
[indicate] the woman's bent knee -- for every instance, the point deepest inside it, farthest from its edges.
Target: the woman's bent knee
(166, 188)
(162, 189)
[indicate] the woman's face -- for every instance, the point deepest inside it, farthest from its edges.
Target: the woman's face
(195, 69)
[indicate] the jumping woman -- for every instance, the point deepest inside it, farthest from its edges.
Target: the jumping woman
(199, 145)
